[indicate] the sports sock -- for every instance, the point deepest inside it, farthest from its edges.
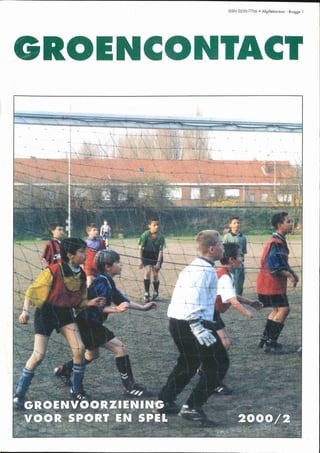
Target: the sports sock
(266, 331)
(24, 382)
(156, 286)
(78, 375)
(271, 332)
(275, 330)
(67, 368)
(124, 368)
(146, 283)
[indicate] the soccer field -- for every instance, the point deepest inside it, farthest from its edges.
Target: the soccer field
(266, 400)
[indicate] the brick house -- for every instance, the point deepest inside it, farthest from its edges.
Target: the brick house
(187, 182)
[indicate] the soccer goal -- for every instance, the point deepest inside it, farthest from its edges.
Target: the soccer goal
(191, 174)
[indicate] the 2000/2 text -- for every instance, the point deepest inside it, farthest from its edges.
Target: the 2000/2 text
(261, 418)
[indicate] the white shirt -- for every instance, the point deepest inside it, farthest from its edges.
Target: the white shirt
(226, 288)
(195, 292)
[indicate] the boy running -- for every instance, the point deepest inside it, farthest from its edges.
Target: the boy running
(227, 297)
(58, 289)
(190, 315)
(95, 335)
(272, 282)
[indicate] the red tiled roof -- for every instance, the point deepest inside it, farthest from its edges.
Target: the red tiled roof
(100, 171)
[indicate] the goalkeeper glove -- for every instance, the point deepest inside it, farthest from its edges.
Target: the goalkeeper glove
(203, 335)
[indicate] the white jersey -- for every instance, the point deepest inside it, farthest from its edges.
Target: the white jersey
(195, 292)
(226, 287)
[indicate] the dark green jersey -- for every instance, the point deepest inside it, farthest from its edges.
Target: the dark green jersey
(151, 244)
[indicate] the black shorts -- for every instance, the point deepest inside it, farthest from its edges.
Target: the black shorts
(49, 317)
(94, 335)
(150, 261)
(275, 300)
(218, 322)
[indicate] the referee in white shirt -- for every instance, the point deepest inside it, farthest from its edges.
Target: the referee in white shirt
(190, 315)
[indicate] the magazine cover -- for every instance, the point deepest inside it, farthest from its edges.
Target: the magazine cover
(161, 202)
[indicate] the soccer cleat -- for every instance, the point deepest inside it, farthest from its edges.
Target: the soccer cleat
(169, 408)
(18, 401)
(155, 297)
(65, 378)
(79, 396)
(146, 297)
(222, 390)
(137, 391)
(275, 344)
(275, 348)
(264, 343)
(195, 415)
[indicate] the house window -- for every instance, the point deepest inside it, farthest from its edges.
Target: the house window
(251, 198)
(142, 193)
(123, 195)
(106, 195)
(264, 197)
(232, 193)
(195, 193)
(284, 197)
(211, 193)
(175, 193)
(78, 192)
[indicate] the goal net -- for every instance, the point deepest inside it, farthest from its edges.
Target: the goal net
(191, 173)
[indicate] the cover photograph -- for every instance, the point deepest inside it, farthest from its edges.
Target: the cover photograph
(161, 182)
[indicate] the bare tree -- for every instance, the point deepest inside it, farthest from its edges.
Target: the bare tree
(169, 144)
(195, 145)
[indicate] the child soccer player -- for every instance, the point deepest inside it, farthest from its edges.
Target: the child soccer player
(227, 297)
(235, 236)
(190, 315)
(59, 288)
(272, 280)
(151, 244)
(51, 250)
(94, 244)
(105, 232)
(95, 335)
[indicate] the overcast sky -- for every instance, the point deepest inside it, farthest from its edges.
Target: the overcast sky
(43, 141)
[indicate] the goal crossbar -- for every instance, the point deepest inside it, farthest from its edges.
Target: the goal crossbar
(149, 122)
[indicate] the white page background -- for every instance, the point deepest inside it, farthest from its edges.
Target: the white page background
(166, 77)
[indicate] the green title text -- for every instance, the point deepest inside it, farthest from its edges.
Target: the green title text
(156, 48)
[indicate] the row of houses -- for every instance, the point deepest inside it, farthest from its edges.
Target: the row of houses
(183, 182)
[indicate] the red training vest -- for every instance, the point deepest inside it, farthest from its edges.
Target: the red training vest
(267, 283)
(59, 294)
